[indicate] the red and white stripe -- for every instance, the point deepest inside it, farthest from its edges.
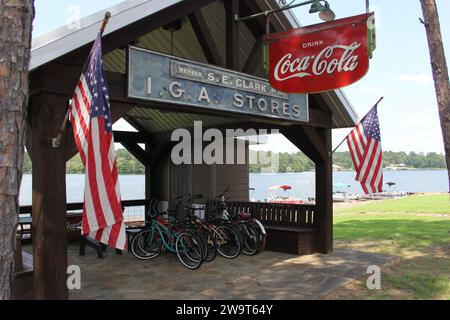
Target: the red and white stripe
(80, 110)
(357, 142)
(367, 157)
(102, 214)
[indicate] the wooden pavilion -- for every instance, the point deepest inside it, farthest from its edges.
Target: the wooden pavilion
(204, 31)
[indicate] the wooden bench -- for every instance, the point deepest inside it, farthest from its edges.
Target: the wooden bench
(101, 248)
(23, 282)
(23, 260)
(291, 228)
(24, 226)
(291, 240)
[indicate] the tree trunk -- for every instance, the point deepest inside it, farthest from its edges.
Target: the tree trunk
(440, 70)
(15, 43)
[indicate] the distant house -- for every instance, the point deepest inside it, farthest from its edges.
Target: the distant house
(397, 167)
(338, 168)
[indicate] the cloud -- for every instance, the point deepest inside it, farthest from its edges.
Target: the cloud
(422, 79)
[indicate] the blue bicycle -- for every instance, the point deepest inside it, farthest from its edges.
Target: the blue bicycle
(166, 235)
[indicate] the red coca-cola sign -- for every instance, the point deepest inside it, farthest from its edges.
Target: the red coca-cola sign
(321, 57)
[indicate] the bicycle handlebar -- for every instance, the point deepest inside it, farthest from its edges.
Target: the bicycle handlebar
(224, 193)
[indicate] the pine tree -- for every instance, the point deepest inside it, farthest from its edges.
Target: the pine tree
(440, 70)
(15, 46)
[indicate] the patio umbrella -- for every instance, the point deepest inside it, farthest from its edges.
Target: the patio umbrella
(284, 187)
(391, 184)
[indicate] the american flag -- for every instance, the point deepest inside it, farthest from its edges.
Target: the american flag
(364, 143)
(90, 116)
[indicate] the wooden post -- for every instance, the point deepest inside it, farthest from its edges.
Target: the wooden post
(324, 196)
(148, 186)
(232, 34)
(153, 181)
(316, 144)
(49, 199)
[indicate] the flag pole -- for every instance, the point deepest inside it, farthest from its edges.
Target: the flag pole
(56, 142)
(340, 144)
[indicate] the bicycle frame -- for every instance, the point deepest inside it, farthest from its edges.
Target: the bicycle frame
(210, 227)
(165, 233)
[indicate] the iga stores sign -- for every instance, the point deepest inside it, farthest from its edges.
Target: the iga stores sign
(321, 57)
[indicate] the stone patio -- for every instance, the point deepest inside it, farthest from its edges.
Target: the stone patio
(266, 276)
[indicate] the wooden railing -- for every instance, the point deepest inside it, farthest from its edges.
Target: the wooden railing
(294, 215)
(79, 206)
(289, 215)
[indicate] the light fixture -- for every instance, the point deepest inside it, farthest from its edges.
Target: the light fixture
(316, 6)
(325, 12)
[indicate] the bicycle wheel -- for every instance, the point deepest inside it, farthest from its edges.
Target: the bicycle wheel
(261, 233)
(189, 249)
(201, 236)
(210, 245)
(250, 238)
(146, 245)
(228, 241)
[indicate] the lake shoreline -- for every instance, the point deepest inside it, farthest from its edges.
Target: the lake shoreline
(351, 170)
(303, 184)
(341, 170)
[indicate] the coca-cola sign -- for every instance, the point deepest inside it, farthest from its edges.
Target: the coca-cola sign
(321, 57)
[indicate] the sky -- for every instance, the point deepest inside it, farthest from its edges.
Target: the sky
(400, 69)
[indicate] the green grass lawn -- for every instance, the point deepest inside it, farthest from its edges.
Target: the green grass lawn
(436, 203)
(417, 229)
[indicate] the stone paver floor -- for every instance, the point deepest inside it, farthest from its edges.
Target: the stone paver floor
(269, 276)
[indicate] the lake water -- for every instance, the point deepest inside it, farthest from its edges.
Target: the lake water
(133, 187)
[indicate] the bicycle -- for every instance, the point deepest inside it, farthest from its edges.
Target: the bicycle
(160, 236)
(217, 236)
(195, 224)
(252, 231)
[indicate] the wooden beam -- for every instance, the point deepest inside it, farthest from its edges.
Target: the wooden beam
(157, 150)
(205, 38)
(319, 118)
(49, 199)
(277, 21)
(317, 141)
(256, 26)
(297, 135)
(316, 101)
(136, 125)
(132, 137)
(140, 154)
(252, 61)
(324, 197)
(130, 33)
(59, 78)
(232, 34)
